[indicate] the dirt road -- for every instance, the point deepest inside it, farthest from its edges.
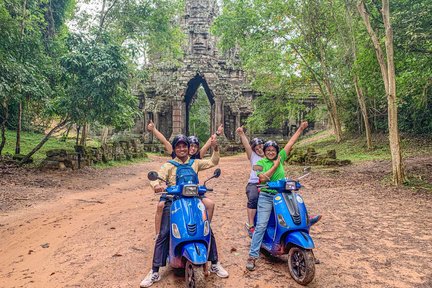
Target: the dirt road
(94, 228)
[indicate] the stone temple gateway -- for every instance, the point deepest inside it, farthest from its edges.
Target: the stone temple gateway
(170, 91)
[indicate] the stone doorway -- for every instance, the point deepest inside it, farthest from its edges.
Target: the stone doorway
(190, 96)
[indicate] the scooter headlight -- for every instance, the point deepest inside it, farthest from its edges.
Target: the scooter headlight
(175, 231)
(190, 190)
(290, 185)
(206, 228)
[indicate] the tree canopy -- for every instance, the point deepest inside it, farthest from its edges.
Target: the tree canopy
(287, 45)
(68, 65)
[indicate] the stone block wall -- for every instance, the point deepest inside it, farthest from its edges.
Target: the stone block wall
(87, 156)
(311, 157)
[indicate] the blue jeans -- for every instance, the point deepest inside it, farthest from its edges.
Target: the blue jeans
(265, 206)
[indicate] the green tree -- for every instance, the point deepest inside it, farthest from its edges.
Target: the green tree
(284, 46)
(387, 67)
(199, 116)
(97, 89)
(26, 63)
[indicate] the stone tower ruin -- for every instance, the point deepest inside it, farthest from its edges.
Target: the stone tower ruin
(170, 91)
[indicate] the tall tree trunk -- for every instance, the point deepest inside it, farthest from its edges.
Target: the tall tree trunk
(388, 75)
(104, 136)
(334, 120)
(21, 55)
(333, 111)
(84, 133)
(4, 119)
(102, 16)
(398, 173)
(331, 98)
(104, 13)
(77, 134)
(378, 51)
(18, 131)
(3, 137)
(45, 139)
(66, 135)
(359, 91)
(364, 112)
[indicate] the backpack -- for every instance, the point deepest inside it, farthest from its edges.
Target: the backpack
(185, 174)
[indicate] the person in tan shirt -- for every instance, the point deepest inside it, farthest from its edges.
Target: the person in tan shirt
(194, 153)
(168, 172)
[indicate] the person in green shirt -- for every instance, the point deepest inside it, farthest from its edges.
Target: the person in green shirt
(270, 168)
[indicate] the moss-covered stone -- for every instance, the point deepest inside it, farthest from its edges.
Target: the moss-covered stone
(20, 157)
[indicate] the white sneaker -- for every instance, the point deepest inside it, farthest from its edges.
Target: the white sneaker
(150, 279)
(219, 270)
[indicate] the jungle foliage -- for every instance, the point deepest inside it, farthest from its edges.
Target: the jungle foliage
(63, 62)
(199, 116)
(292, 49)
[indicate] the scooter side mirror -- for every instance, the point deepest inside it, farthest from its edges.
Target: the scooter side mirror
(152, 175)
(306, 172)
(217, 173)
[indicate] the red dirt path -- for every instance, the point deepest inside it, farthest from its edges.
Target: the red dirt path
(94, 228)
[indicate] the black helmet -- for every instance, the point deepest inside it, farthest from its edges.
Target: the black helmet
(255, 142)
(180, 138)
(193, 140)
(271, 143)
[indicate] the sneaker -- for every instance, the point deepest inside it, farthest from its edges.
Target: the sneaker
(250, 265)
(150, 279)
(219, 270)
(315, 219)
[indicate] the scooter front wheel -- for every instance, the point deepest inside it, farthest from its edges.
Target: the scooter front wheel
(194, 276)
(301, 265)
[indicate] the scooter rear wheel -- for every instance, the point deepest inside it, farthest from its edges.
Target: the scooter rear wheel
(301, 265)
(194, 276)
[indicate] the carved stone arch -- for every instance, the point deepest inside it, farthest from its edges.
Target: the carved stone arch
(190, 94)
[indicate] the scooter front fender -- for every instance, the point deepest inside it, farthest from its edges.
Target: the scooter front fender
(301, 239)
(196, 253)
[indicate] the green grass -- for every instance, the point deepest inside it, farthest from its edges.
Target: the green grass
(417, 181)
(355, 149)
(29, 140)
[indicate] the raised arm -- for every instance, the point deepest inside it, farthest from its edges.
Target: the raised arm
(214, 159)
(207, 145)
(151, 128)
(244, 141)
(296, 135)
(264, 177)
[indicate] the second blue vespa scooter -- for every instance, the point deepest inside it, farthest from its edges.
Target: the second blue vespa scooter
(190, 232)
(288, 230)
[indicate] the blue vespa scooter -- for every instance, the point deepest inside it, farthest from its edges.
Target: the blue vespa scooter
(288, 230)
(190, 232)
